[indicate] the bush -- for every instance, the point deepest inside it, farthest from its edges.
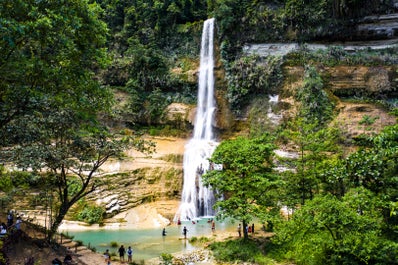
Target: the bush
(167, 259)
(236, 250)
(91, 214)
(114, 244)
(252, 75)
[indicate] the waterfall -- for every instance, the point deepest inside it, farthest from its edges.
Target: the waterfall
(274, 117)
(197, 200)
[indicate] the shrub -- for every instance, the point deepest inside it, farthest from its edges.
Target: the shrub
(236, 250)
(167, 259)
(91, 214)
(252, 75)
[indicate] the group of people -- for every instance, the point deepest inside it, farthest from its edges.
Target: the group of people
(185, 229)
(67, 260)
(122, 252)
(249, 229)
(4, 228)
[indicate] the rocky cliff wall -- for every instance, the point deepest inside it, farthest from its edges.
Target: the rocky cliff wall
(358, 80)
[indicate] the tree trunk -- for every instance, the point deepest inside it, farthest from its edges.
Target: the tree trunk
(245, 234)
(63, 210)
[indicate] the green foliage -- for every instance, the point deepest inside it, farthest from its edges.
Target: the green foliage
(23, 179)
(5, 181)
(2, 258)
(395, 112)
(316, 107)
(375, 168)
(336, 55)
(201, 240)
(242, 22)
(246, 181)
(166, 258)
(258, 116)
(332, 231)
(237, 251)
(368, 120)
(91, 214)
(316, 148)
(53, 66)
(305, 17)
(252, 75)
(147, 107)
(113, 244)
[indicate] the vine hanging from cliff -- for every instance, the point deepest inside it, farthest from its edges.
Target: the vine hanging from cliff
(252, 75)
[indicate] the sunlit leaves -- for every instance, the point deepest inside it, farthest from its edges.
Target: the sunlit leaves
(246, 181)
(329, 230)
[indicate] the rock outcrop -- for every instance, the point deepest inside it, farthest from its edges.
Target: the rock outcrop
(358, 80)
(139, 179)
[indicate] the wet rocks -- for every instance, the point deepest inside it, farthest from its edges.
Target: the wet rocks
(194, 257)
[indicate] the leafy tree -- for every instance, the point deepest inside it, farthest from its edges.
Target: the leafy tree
(328, 230)
(70, 155)
(315, 106)
(376, 169)
(50, 52)
(91, 214)
(305, 16)
(315, 143)
(50, 101)
(315, 149)
(246, 182)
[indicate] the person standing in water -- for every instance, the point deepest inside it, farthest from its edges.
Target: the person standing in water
(164, 232)
(185, 231)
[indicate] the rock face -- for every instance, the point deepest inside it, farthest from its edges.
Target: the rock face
(176, 112)
(357, 80)
(348, 81)
(139, 179)
(378, 27)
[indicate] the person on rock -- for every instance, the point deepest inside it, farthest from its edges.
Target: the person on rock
(107, 257)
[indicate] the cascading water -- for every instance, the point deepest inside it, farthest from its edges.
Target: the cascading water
(197, 200)
(274, 117)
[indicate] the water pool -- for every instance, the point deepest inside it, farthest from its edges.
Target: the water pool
(148, 243)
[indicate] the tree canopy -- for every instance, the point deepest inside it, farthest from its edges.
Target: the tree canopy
(246, 183)
(50, 100)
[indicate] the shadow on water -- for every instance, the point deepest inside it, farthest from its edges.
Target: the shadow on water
(149, 243)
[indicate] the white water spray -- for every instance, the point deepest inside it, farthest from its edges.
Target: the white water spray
(197, 200)
(275, 118)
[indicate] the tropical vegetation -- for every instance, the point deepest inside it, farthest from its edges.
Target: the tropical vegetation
(63, 61)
